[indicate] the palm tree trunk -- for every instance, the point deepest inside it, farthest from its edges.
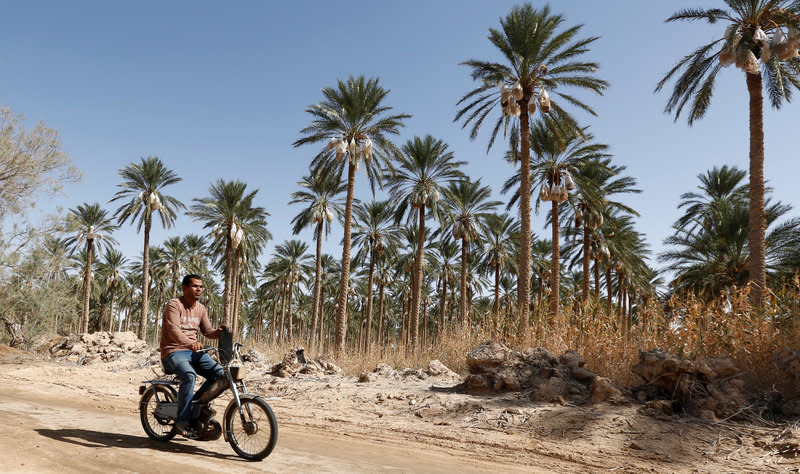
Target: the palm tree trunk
(282, 321)
(758, 277)
(496, 305)
(87, 286)
(416, 285)
(443, 308)
(609, 287)
(524, 277)
(289, 315)
(317, 284)
(463, 294)
(555, 280)
(344, 281)
(368, 310)
(381, 292)
(142, 332)
(587, 242)
(226, 299)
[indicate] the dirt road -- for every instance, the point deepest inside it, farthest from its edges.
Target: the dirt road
(47, 431)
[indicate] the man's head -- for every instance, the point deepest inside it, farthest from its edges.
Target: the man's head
(192, 288)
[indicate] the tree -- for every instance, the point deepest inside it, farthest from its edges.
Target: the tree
(112, 268)
(373, 233)
(289, 263)
(467, 203)
(498, 232)
(91, 225)
(423, 169)
(30, 161)
(708, 249)
(744, 42)
(320, 196)
(238, 230)
(539, 56)
(142, 186)
(354, 120)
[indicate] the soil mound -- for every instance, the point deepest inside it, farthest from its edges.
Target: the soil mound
(124, 349)
(435, 369)
(709, 388)
(294, 363)
(495, 368)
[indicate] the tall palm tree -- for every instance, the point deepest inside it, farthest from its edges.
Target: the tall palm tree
(321, 196)
(237, 227)
(176, 259)
(373, 232)
(91, 225)
(423, 169)
(467, 203)
(744, 41)
(539, 56)
(598, 181)
(354, 120)
(196, 260)
(443, 256)
(142, 186)
(708, 250)
(290, 262)
(557, 159)
(499, 232)
(113, 268)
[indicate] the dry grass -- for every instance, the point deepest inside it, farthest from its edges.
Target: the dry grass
(687, 328)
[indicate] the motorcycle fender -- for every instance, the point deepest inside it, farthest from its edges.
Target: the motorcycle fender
(167, 410)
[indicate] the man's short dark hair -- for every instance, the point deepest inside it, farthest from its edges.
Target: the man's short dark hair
(187, 280)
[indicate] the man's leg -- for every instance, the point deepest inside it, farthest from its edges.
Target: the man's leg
(208, 368)
(180, 362)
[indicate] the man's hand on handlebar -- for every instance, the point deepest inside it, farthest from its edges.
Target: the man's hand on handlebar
(196, 346)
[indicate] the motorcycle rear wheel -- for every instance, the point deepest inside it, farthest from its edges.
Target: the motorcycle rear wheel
(157, 428)
(253, 434)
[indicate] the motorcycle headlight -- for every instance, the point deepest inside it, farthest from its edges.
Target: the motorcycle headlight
(238, 372)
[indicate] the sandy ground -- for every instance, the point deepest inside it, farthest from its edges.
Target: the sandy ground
(63, 417)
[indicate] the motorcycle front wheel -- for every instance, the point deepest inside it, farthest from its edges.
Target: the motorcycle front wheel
(253, 432)
(157, 427)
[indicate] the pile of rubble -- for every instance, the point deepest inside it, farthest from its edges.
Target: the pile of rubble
(494, 367)
(435, 369)
(709, 388)
(97, 347)
(294, 363)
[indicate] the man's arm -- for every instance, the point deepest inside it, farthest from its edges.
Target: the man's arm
(207, 330)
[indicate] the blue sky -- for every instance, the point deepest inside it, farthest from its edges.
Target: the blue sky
(219, 90)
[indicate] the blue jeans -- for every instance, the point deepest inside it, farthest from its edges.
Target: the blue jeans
(186, 365)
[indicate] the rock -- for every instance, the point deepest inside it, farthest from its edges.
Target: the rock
(602, 390)
(487, 355)
(583, 374)
(571, 359)
(437, 369)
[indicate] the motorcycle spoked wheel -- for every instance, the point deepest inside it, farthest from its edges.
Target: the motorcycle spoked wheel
(157, 428)
(254, 434)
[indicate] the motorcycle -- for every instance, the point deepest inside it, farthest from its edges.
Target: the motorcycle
(249, 424)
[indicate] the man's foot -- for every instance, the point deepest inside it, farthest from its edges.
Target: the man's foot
(186, 431)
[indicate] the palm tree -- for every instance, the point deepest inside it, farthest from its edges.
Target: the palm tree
(443, 256)
(196, 260)
(238, 229)
(744, 41)
(320, 195)
(709, 251)
(354, 120)
(142, 186)
(176, 260)
(113, 268)
(540, 56)
(467, 203)
(499, 232)
(423, 169)
(91, 225)
(289, 263)
(373, 232)
(597, 180)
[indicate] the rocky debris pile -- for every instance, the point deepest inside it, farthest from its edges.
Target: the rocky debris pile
(96, 347)
(788, 362)
(435, 369)
(494, 368)
(709, 388)
(786, 443)
(295, 362)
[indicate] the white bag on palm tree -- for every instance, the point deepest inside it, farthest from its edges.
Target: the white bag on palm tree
(544, 101)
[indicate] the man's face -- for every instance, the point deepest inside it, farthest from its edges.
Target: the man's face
(194, 290)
